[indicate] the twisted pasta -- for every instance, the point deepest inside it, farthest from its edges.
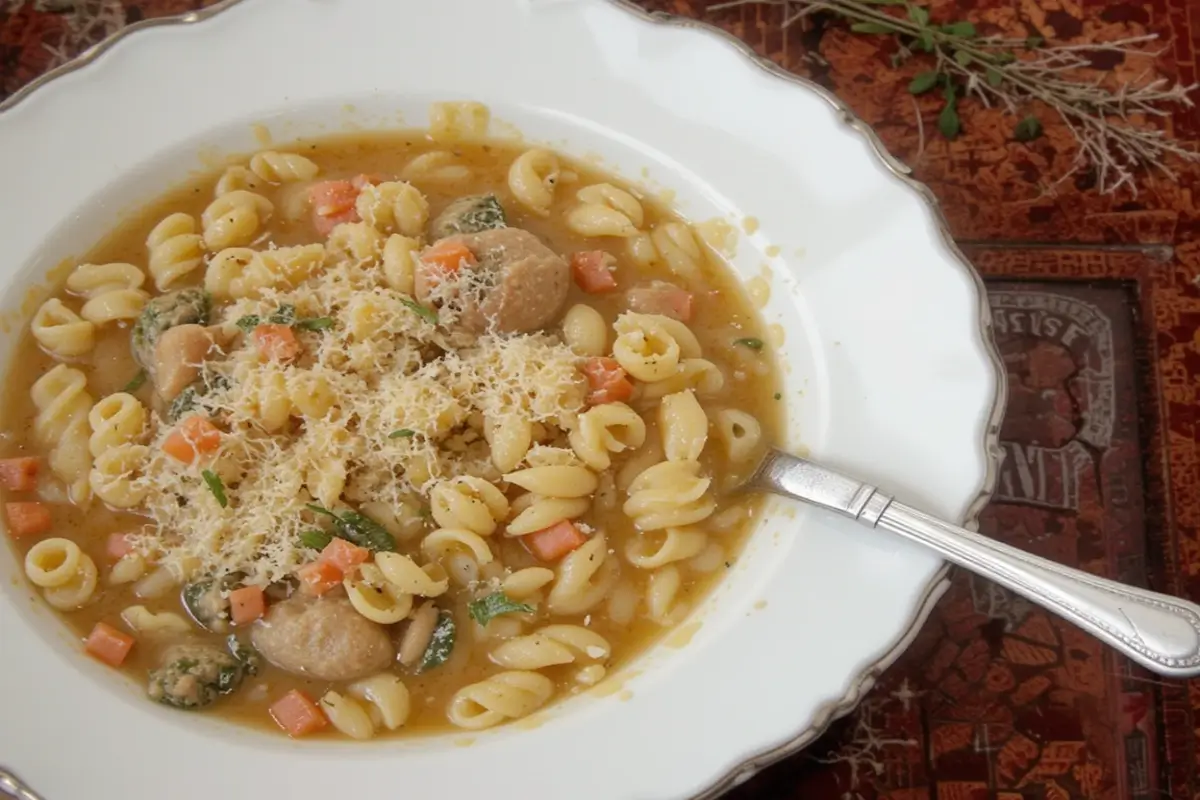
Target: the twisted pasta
(393, 207)
(669, 495)
(438, 166)
(551, 645)
(584, 331)
(605, 210)
(164, 623)
(176, 249)
(117, 419)
(505, 696)
(347, 715)
(61, 332)
(61, 425)
(461, 551)
(375, 597)
(235, 178)
(662, 596)
(683, 425)
(356, 240)
(650, 346)
(677, 246)
(585, 576)
(113, 291)
(234, 219)
(388, 694)
(675, 544)
(113, 476)
(739, 432)
(605, 429)
(525, 582)
(510, 438)
(698, 374)
(468, 502)
(66, 575)
(532, 179)
(404, 573)
(399, 262)
(237, 272)
(555, 493)
(275, 167)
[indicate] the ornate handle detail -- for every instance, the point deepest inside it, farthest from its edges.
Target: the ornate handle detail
(1160, 632)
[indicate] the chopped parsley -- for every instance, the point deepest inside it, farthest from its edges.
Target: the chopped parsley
(315, 324)
(485, 609)
(420, 310)
(215, 486)
(403, 433)
(315, 539)
(441, 644)
(358, 529)
(285, 315)
(751, 342)
(136, 382)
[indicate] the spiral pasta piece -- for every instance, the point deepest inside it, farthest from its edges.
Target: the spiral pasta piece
(235, 178)
(605, 210)
(669, 495)
(461, 552)
(61, 425)
(160, 624)
(698, 374)
(176, 249)
(584, 331)
(113, 291)
(509, 438)
(468, 502)
(550, 646)
(532, 179)
(347, 715)
(399, 262)
(650, 346)
(739, 432)
(402, 572)
(234, 219)
(675, 544)
(683, 426)
(388, 694)
(678, 247)
(275, 167)
(606, 429)
(375, 597)
(502, 697)
(585, 576)
(61, 332)
(438, 166)
(393, 207)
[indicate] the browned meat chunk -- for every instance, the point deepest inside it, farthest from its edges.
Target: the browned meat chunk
(518, 285)
(178, 356)
(324, 639)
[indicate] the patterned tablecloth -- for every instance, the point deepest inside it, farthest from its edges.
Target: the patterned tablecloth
(1097, 316)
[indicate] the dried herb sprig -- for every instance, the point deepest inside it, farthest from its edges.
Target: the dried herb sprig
(1107, 123)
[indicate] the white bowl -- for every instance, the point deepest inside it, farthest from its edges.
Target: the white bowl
(890, 372)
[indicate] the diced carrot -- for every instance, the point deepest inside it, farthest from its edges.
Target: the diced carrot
(448, 257)
(194, 436)
(108, 644)
(663, 298)
(319, 577)
(118, 546)
(276, 342)
(367, 179)
(606, 381)
(27, 519)
(344, 555)
(551, 544)
(247, 604)
(297, 714)
(592, 270)
(19, 474)
(332, 204)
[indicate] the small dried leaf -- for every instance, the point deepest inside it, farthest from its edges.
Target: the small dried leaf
(994, 76)
(963, 57)
(923, 83)
(1028, 129)
(963, 29)
(918, 15)
(925, 41)
(948, 121)
(870, 27)
(1034, 42)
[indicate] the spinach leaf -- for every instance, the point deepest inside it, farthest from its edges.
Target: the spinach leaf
(316, 539)
(441, 644)
(249, 322)
(215, 486)
(314, 324)
(358, 529)
(284, 315)
(485, 609)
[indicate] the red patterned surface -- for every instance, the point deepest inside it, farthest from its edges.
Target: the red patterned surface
(1097, 315)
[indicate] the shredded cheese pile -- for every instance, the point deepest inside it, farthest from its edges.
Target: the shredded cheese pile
(380, 406)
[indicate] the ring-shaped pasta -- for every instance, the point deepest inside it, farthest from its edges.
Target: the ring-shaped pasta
(52, 562)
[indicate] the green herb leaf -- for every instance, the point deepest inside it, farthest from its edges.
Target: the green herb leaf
(948, 122)
(1004, 58)
(249, 322)
(994, 76)
(871, 27)
(136, 382)
(441, 644)
(923, 83)
(883, 2)
(918, 15)
(963, 57)
(751, 342)
(1034, 42)
(358, 529)
(315, 324)
(284, 315)
(215, 486)
(423, 311)
(403, 433)
(964, 29)
(315, 539)
(485, 609)
(1028, 129)
(925, 41)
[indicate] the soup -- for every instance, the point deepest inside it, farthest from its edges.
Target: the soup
(386, 433)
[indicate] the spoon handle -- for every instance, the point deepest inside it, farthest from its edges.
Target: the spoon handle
(1160, 632)
(12, 786)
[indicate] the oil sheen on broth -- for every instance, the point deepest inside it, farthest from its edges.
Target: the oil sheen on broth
(331, 397)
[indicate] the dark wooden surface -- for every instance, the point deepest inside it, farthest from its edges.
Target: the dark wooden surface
(1097, 316)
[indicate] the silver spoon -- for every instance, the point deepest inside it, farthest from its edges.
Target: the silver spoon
(1160, 632)
(12, 786)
